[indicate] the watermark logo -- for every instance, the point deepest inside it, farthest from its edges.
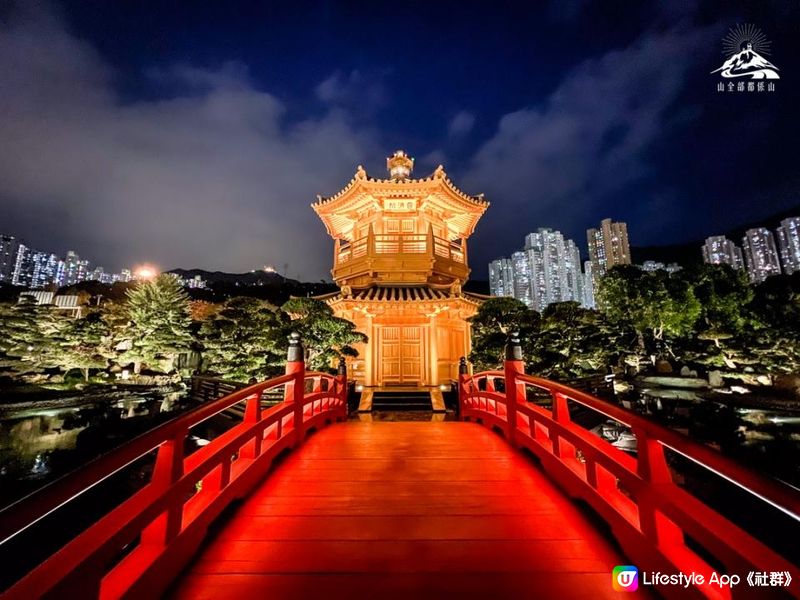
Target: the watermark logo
(746, 48)
(625, 578)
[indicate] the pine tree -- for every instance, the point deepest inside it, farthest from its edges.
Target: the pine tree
(495, 319)
(325, 336)
(160, 320)
(84, 344)
(244, 340)
(29, 337)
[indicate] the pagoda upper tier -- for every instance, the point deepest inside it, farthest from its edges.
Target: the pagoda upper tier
(400, 231)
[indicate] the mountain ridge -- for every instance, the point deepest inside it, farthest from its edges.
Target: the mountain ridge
(690, 252)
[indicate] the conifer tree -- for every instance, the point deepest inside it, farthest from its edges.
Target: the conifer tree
(29, 337)
(326, 337)
(159, 330)
(84, 344)
(244, 340)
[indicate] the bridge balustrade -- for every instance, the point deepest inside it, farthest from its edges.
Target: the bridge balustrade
(140, 546)
(157, 530)
(659, 524)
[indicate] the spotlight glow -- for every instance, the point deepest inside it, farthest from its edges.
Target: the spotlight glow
(146, 272)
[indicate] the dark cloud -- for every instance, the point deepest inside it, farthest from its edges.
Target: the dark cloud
(461, 123)
(355, 90)
(213, 177)
(126, 150)
(589, 140)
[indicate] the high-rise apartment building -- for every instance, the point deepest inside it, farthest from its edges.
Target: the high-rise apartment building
(522, 278)
(43, 267)
(546, 270)
(719, 250)
(9, 246)
(788, 235)
(61, 273)
(761, 254)
(70, 268)
(501, 277)
(22, 266)
(588, 285)
(555, 270)
(608, 246)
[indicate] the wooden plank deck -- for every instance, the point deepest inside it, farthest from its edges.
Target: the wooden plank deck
(404, 510)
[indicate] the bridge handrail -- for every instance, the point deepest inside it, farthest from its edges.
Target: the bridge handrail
(777, 494)
(165, 513)
(648, 512)
(43, 501)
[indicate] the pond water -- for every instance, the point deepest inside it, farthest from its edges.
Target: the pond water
(766, 439)
(40, 440)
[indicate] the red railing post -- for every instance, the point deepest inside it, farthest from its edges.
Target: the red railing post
(463, 376)
(652, 467)
(252, 414)
(560, 415)
(515, 389)
(167, 471)
(341, 383)
(295, 390)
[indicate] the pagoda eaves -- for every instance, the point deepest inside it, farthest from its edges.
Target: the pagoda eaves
(436, 193)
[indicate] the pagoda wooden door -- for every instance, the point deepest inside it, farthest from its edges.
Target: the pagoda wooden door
(401, 355)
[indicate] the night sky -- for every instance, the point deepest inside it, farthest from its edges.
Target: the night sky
(192, 134)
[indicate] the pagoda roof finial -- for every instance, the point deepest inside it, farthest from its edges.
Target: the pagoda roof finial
(400, 165)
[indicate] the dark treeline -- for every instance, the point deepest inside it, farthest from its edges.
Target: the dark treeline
(155, 328)
(707, 317)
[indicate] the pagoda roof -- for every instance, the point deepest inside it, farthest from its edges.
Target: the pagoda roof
(402, 294)
(339, 211)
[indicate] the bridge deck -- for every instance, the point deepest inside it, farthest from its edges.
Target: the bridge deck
(401, 510)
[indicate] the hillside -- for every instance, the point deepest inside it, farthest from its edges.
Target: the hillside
(689, 253)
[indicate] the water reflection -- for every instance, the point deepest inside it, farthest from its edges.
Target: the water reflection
(39, 441)
(767, 439)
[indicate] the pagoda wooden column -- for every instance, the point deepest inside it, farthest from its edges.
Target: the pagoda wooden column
(369, 354)
(434, 351)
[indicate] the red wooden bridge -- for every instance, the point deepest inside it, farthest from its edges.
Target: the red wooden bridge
(407, 509)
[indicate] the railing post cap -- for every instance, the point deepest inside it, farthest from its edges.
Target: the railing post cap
(462, 365)
(296, 352)
(342, 366)
(513, 346)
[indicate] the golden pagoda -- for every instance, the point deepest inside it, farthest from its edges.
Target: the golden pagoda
(400, 260)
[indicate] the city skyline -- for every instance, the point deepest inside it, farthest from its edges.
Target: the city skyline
(169, 145)
(546, 271)
(24, 266)
(763, 253)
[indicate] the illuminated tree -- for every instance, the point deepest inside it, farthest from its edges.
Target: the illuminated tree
(325, 336)
(573, 341)
(244, 339)
(83, 344)
(29, 337)
(659, 307)
(160, 321)
(495, 319)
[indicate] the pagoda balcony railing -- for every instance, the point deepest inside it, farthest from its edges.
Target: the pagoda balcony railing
(400, 244)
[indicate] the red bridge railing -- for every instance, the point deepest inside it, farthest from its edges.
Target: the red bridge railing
(649, 513)
(166, 520)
